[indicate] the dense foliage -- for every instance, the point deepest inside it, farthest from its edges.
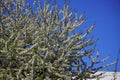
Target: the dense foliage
(39, 42)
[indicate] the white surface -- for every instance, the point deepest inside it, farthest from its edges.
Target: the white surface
(109, 76)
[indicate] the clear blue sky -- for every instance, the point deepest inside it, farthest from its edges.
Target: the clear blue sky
(106, 14)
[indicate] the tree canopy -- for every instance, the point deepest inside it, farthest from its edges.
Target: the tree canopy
(39, 42)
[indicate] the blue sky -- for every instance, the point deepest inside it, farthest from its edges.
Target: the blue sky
(106, 14)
